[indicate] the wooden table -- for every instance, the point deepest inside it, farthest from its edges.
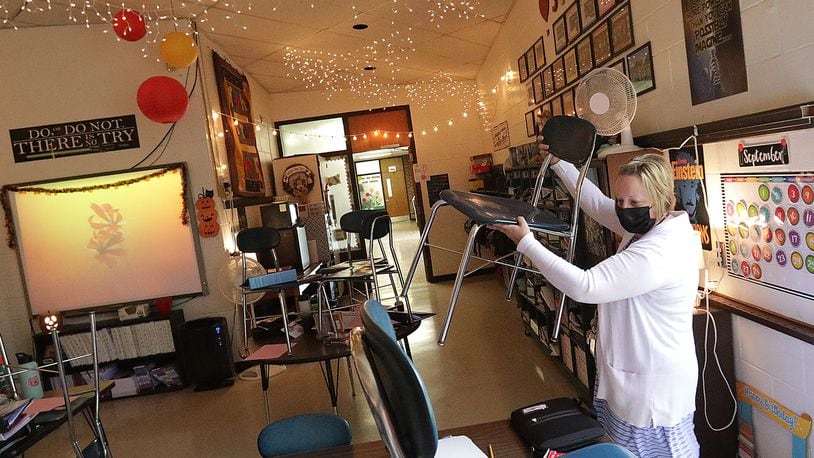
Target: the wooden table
(499, 434)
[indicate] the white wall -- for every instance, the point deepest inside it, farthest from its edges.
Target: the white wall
(446, 151)
(74, 73)
(779, 49)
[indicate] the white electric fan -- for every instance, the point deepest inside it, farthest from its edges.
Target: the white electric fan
(607, 99)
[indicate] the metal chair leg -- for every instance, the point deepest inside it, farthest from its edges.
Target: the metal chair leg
(424, 235)
(510, 290)
(350, 376)
(459, 278)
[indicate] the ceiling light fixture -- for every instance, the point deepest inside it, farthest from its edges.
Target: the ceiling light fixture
(359, 26)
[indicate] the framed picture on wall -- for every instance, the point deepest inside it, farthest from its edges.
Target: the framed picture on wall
(522, 68)
(585, 56)
(570, 61)
(560, 37)
(539, 53)
(587, 13)
(530, 98)
(537, 85)
(568, 103)
(531, 61)
(603, 6)
(600, 40)
(572, 23)
(640, 69)
(530, 123)
(621, 30)
(559, 75)
(548, 81)
(619, 65)
(556, 106)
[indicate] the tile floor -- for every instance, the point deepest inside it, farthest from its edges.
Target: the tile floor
(487, 368)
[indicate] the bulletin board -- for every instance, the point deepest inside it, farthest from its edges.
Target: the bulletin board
(769, 220)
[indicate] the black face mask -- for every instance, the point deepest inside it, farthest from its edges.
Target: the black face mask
(636, 220)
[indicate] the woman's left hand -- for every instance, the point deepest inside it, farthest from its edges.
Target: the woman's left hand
(514, 232)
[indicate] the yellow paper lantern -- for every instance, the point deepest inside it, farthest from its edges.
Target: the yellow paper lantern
(178, 50)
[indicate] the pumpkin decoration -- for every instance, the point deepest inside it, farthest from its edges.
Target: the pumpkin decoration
(208, 225)
(50, 321)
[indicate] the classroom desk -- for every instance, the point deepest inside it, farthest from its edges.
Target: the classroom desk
(47, 422)
(308, 348)
(505, 442)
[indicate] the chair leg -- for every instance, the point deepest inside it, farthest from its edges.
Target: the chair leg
(284, 311)
(510, 290)
(350, 376)
(459, 278)
(424, 235)
(406, 301)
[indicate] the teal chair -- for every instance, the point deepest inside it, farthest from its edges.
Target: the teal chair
(303, 433)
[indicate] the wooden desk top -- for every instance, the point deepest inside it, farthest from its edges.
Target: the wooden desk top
(505, 442)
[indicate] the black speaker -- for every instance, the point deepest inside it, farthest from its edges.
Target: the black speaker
(206, 351)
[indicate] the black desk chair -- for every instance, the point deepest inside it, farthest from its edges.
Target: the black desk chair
(393, 388)
(374, 226)
(259, 241)
(571, 139)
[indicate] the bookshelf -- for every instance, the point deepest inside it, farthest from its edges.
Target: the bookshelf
(141, 355)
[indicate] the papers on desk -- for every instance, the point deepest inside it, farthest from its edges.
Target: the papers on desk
(457, 447)
(46, 404)
(13, 417)
(271, 351)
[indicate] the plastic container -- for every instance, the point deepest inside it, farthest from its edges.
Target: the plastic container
(29, 382)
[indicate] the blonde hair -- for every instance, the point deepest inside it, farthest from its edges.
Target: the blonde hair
(657, 178)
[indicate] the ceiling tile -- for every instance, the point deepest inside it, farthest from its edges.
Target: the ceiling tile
(482, 33)
(266, 68)
(275, 84)
(254, 28)
(244, 46)
(455, 48)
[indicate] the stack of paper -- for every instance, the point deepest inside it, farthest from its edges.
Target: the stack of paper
(13, 417)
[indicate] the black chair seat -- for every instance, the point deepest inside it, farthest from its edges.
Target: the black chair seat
(500, 210)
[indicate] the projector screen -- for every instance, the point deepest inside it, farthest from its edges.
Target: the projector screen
(105, 240)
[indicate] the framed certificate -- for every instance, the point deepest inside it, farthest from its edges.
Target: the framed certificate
(619, 65)
(530, 123)
(585, 56)
(560, 37)
(568, 103)
(559, 74)
(556, 106)
(587, 13)
(548, 81)
(600, 40)
(621, 30)
(539, 53)
(530, 98)
(603, 6)
(531, 61)
(570, 61)
(537, 85)
(522, 68)
(572, 23)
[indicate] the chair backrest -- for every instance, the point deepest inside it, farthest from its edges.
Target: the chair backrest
(361, 221)
(257, 239)
(394, 389)
(569, 138)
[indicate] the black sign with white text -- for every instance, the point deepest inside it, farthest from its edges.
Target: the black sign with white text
(73, 138)
(768, 154)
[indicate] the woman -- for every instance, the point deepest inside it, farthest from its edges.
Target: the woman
(645, 355)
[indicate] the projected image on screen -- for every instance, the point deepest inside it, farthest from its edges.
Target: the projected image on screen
(105, 240)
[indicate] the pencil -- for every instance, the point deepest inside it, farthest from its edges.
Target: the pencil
(491, 452)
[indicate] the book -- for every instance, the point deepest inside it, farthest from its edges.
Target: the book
(11, 412)
(272, 279)
(21, 421)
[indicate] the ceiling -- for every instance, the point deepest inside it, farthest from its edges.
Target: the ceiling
(295, 45)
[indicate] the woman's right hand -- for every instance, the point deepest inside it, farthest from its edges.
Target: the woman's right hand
(544, 150)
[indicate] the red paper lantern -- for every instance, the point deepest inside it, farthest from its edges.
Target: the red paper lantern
(162, 99)
(129, 25)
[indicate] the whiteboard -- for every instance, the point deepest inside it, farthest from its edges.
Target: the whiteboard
(104, 240)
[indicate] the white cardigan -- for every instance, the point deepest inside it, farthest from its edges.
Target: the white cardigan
(646, 293)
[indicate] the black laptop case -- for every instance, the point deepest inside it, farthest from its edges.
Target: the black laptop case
(557, 424)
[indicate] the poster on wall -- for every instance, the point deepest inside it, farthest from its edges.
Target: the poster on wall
(714, 42)
(238, 128)
(500, 135)
(688, 177)
(371, 192)
(73, 138)
(769, 220)
(436, 184)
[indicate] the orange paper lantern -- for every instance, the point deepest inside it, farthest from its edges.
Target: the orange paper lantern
(178, 50)
(162, 99)
(129, 25)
